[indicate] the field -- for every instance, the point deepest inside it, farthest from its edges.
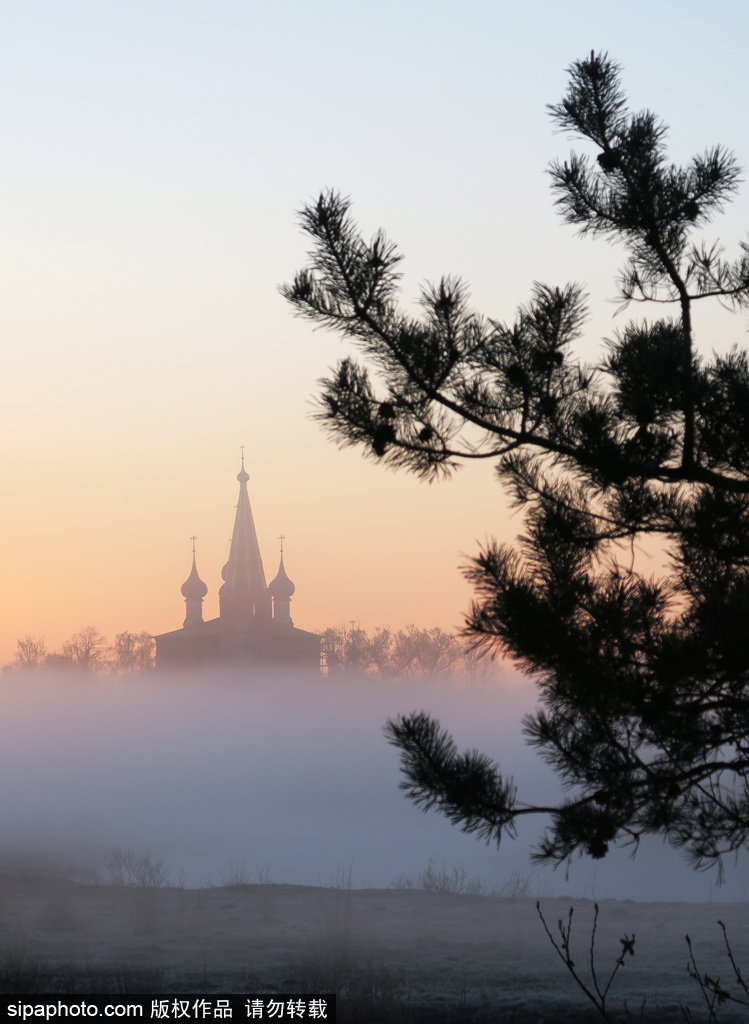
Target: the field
(390, 954)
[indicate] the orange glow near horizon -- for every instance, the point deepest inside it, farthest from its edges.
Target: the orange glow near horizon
(360, 542)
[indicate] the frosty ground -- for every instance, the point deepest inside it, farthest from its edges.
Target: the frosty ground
(289, 781)
(392, 955)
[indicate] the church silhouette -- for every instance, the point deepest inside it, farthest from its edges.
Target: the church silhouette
(254, 630)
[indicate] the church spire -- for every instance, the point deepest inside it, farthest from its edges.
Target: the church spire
(193, 591)
(244, 597)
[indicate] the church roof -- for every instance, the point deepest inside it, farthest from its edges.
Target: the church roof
(217, 627)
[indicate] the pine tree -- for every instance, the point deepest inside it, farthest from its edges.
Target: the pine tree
(644, 681)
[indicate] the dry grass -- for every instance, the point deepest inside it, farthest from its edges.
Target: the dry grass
(126, 867)
(456, 881)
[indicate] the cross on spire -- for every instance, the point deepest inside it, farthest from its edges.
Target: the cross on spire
(193, 539)
(282, 539)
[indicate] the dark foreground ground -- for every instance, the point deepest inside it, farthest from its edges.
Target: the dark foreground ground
(390, 955)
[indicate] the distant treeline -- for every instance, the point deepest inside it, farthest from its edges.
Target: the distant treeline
(89, 651)
(347, 650)
(411, 651)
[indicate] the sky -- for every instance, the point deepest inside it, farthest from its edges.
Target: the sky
(154, 155)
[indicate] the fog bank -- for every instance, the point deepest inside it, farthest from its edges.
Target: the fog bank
(294, 780)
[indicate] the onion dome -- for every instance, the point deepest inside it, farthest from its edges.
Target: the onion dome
(281, 586)
(193, 587)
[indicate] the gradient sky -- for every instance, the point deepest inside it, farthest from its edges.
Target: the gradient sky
(154, 154)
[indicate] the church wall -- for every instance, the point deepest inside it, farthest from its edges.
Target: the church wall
(187, 649)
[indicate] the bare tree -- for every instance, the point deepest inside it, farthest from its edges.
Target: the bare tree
(426, 652)
(133, 652)
(411, 651)
(85, 650)
(351, 649)
(30, 653)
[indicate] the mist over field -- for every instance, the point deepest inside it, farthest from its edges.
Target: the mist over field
(291, 779)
